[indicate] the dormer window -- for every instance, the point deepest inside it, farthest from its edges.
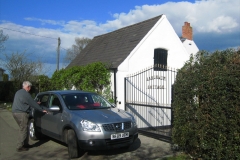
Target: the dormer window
(160, 59)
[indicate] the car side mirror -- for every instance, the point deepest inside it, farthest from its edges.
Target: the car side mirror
(54, 108)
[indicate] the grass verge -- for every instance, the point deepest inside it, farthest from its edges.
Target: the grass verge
(179, 156)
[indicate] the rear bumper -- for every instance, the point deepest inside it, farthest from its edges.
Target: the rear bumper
(102, 144)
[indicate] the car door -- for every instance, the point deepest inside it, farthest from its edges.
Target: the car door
(52, 122)
(39, 116)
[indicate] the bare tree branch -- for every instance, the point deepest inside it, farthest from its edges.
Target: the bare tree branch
(3, 38)
(21, 68)
(76, 49)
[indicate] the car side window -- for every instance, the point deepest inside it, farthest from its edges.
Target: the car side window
(43, 99)
(54, 101)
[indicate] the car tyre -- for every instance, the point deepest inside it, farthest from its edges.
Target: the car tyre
(73, 150)
(32, 132)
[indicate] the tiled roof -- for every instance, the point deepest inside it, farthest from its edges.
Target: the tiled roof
(114, 47)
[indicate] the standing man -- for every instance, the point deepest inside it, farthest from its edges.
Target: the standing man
(20, 110)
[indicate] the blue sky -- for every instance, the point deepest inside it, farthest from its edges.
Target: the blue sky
(216, 23)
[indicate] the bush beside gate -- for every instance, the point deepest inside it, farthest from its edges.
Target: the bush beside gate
(207, 105)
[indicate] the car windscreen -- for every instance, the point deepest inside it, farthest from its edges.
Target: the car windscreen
(79, 101)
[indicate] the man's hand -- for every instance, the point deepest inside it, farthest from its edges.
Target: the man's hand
(44, 111)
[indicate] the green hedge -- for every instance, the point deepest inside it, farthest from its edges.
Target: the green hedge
(7, 90)
(93, 77)
(207, 105)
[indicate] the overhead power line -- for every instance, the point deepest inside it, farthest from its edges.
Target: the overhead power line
(28, 33)
(32, 35)
(63, 48)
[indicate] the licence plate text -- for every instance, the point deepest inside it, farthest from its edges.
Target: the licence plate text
(119, 135)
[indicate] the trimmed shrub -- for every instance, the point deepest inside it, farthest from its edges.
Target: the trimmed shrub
(207, 105)
(93, 77)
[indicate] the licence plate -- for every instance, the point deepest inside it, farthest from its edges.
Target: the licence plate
(119, 135)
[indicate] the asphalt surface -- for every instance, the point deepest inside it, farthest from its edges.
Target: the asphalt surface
(144, 148)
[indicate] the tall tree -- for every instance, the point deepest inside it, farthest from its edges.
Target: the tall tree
(81, 43)
(21, 68)
(3, 38)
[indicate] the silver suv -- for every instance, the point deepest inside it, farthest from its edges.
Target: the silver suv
(82, 120)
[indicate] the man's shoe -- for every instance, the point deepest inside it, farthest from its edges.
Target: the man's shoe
(27, 146)
(22, 149)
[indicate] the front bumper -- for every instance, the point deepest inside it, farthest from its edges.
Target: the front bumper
(102, 144)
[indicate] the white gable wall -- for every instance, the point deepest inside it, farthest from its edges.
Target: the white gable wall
(162, 35)
(190, 46)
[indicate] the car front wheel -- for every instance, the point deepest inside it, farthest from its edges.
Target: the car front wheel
(73, 150)
(33, 133)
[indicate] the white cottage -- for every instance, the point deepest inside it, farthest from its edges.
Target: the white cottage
(136, 47)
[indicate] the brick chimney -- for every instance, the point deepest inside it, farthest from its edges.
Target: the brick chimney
(187, 31)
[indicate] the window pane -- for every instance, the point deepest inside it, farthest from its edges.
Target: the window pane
(160, 59)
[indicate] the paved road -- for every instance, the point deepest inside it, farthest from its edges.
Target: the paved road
(144, 148)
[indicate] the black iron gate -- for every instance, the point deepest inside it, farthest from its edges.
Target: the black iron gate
(148, 96)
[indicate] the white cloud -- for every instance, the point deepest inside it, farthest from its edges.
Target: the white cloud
(206, 16)
(45, 21)
(222, 24)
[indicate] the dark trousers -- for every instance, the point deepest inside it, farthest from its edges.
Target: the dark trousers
(22, 121)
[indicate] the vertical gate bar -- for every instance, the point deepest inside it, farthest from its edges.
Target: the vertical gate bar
(150, 90)
(170, 96)
(143, 81)
(152, 101)
(173, 73)
(134, 77)
(168, 82)
(157, 104)
(138, 87)
(131, 92)
(145, 87)
(125, 93)
(142, 89)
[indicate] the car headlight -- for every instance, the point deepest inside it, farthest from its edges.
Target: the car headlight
(134, 123)
(89, 126)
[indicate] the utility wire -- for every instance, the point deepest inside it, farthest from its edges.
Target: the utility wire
(28, 33)
(63, 48)
(31, 34)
